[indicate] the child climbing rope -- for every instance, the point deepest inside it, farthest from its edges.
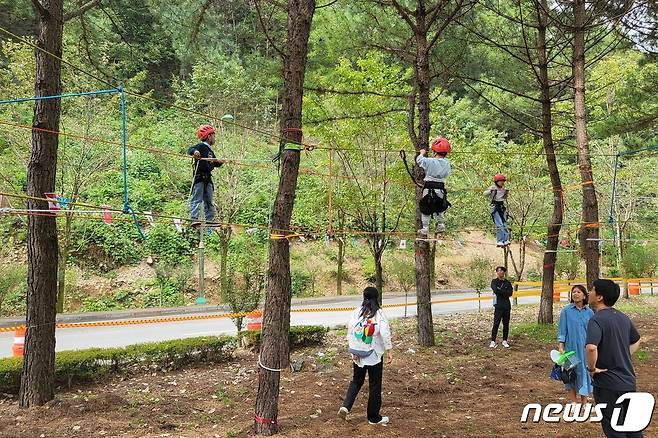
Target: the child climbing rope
(204, 162)
(435, 199)
(497, 194)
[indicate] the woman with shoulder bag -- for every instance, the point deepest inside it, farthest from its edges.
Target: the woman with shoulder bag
(368, 337)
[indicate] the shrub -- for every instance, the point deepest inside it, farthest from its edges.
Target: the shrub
(567, 265)
(169, 245)
(95, 364)
(299, 336)
(106, 246)
(640, 261)
(13, 288)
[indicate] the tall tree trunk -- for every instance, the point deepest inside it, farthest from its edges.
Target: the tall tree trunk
(432, 264)
(274, 352)
(38, 376)
(379, 275)
(423, 82)
(63, 260)
(589, 231)
(555, 225)
(339, 269)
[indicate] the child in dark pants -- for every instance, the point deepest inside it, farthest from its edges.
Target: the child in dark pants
(369, 337)
(502, 290)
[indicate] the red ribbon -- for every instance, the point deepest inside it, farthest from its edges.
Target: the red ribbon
(261, 420)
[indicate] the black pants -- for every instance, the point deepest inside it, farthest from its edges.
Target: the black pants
(608, 396)
(504, 314)
(374, 389)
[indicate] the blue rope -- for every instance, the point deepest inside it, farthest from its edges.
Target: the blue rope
(127, 209)
(126, 203)
(59, 96)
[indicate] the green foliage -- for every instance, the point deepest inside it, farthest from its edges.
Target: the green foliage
(369, 270)
(640, 261)
(478, 275)
(302, 283)
(106, 246)
(168, 245)
(567, 265)
(403, 272)
(75, 367)
(299, 336)
(13, 287)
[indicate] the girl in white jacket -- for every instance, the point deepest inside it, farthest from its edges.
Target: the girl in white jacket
(368, 337)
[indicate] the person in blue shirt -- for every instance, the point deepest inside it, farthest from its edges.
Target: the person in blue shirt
(571, 335)
(204, 162)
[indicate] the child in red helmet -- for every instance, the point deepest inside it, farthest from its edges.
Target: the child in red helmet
(435, 199)
(497, 194)
(204, 162)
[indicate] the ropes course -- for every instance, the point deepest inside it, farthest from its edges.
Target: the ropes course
(98, 212)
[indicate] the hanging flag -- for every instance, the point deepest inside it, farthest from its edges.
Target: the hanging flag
(178, 225)
(403, 244)
(251, 230)
(63, 202)
(107, 214)
(53, 204)
(149, 218)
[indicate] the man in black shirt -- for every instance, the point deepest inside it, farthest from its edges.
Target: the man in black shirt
(204, 162)
(611, 340)
(502, 290)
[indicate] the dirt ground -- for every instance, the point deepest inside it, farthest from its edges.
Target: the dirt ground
(460, 388)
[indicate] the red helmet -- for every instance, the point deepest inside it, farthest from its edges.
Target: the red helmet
(204, 131)
(499, 177)
(441, 145)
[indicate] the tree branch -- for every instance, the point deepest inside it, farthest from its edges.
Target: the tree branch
(265, 30)
(84, 8)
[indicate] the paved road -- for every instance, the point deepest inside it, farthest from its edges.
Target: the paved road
(122, 335)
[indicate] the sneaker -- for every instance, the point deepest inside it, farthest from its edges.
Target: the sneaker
(423, 232)
(342, 412)
(505, 344)
(492, 344)
(440, 228)
(383, 421)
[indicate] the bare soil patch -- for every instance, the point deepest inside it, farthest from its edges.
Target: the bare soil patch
(460, 388)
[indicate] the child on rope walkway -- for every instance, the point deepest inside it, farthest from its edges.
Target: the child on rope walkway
(434, 199)
(497, 194)
(202, 186)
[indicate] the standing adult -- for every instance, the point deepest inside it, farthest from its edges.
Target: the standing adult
(502, 289)
(368, 337)
(571, 334)
(611, 340)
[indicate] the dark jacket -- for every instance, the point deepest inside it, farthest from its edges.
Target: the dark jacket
(503, 290)
(204, 170)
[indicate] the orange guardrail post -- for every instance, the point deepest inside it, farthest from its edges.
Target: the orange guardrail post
(18, 348)
(255, 320)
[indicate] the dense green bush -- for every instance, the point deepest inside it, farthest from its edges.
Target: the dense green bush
(640, 261)
(95, 364)
(299, 336)
(13, 287)
(106, 246)
(168, 245)
(567, 265)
